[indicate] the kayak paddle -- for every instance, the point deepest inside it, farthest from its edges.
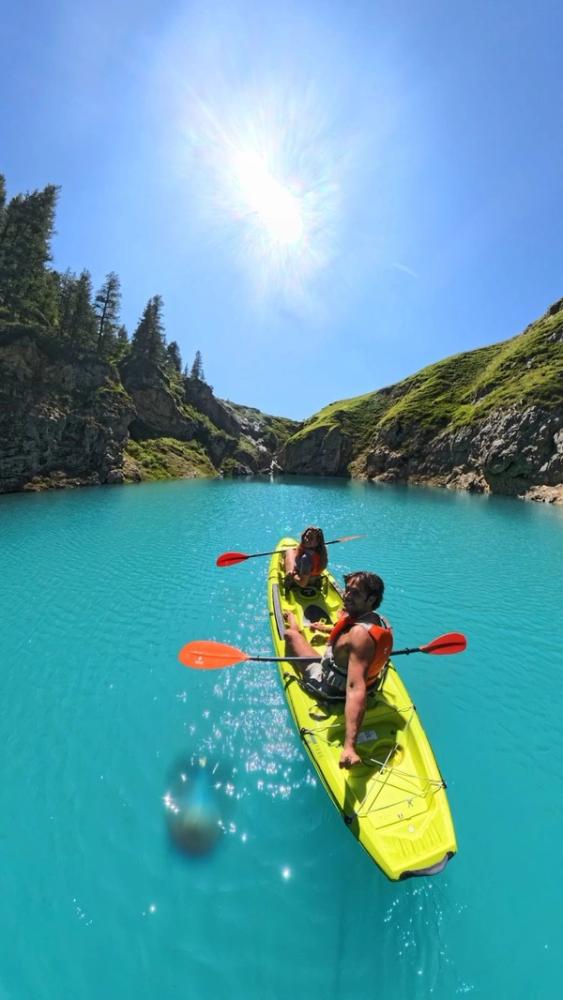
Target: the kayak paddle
(207, 655)
(232, 558)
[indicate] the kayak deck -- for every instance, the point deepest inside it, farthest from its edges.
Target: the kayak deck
(395, 801)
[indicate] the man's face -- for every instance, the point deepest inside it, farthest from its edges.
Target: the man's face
(356, 599)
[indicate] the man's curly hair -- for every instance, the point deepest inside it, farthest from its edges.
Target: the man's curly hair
(372, 584)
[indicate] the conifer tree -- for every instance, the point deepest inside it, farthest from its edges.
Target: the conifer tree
(173, 356)
(197, 368)
(84, 322)
(148, 339)
(27, 287)
(67, 302)
(106, 306)
(2, 201)
(121, 346)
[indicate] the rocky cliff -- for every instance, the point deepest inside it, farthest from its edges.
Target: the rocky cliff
(489, 420)
(70, 418)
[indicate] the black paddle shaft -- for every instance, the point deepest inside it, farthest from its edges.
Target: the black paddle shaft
(317, 659)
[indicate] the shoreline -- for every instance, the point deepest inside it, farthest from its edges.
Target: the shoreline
(539, 493)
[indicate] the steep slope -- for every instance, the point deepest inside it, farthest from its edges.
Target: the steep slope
(67, 418)
(489, 419)
(484, 420)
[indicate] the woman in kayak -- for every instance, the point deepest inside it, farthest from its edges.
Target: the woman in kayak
(305, 564)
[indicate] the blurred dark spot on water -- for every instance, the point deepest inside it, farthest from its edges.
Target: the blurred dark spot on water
(193, 806)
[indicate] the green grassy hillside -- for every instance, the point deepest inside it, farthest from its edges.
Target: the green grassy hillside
(458, 391)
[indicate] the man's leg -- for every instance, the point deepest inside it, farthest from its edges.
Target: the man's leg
(296, 643)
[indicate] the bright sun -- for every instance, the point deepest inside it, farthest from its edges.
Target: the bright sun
(277, 210)
(266, 164)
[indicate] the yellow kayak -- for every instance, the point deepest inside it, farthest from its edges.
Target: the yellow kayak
(395, 802)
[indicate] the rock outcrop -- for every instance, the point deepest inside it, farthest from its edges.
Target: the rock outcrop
(508, 452)
(489, 420)
(69, 418)
(326, 450)
(61, 423)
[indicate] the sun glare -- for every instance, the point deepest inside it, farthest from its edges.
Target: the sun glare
(265, 163)
(275, 207)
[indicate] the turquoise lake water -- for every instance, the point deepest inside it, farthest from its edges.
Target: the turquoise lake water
(100, 588)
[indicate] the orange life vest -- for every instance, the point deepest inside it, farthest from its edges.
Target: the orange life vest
(382, 636)
(318, 564)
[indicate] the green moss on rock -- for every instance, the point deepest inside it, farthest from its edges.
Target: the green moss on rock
(166, 458)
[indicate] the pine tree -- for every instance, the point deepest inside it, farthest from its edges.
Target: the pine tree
(197, 368)
(148, 339)
(106, 306)
(84, 322)
(67, 302)
(27, 287)
(2, 201)
(173, 356)
(121, 348)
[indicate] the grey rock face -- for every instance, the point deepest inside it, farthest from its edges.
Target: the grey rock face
(66, 419)
(157, 412)
(508, 452)
(58, 421)
(200, 395)
(323, 452)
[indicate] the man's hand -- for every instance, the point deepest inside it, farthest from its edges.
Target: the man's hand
(349, 758)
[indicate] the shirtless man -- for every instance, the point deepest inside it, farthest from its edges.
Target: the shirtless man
(353, 661)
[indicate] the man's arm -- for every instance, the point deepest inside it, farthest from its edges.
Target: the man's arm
(360, 656)
(321, 627)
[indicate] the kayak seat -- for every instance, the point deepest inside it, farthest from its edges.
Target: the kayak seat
(314, 613)
(325, 696)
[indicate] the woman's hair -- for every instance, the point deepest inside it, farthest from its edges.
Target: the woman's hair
(372, 584)
(315, 537)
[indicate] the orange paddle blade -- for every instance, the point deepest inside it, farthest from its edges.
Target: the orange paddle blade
(206, 655)
(451, 642)
(231, 558)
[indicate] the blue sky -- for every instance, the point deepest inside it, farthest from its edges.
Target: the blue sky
(328, 196)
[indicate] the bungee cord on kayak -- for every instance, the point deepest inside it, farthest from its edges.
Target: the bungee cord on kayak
(388, 774)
